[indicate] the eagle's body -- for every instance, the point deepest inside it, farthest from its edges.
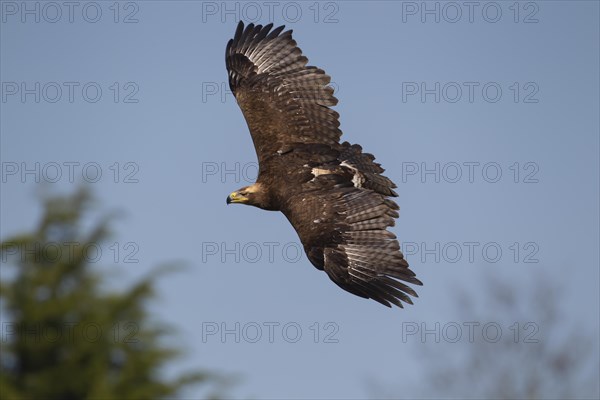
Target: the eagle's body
(332, 193)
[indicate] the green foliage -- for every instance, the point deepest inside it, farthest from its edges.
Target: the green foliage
(65, 338)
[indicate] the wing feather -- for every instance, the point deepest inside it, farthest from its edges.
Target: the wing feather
(351, 243)
(283, 100)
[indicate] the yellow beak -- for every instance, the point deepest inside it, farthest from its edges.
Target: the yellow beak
(235, 197)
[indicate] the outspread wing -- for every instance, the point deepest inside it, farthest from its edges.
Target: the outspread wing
(284, 101)
(343, 230)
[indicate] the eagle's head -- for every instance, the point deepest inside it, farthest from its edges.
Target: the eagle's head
(252, 195)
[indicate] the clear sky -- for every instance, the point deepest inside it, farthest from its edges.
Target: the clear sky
(485, 114)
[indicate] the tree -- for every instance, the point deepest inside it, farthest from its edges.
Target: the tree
(532, 351)
(63, 337)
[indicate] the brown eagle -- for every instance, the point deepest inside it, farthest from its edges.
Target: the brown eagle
(332, 193)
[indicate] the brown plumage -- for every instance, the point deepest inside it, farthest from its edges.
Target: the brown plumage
(332, 193)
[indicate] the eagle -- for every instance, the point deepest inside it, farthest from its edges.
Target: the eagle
(333, 194)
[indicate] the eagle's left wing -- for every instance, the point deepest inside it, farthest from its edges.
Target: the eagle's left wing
(344, 232)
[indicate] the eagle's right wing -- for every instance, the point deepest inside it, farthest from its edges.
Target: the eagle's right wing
(284, 101)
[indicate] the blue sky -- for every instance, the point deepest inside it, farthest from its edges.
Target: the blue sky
(486, 116)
